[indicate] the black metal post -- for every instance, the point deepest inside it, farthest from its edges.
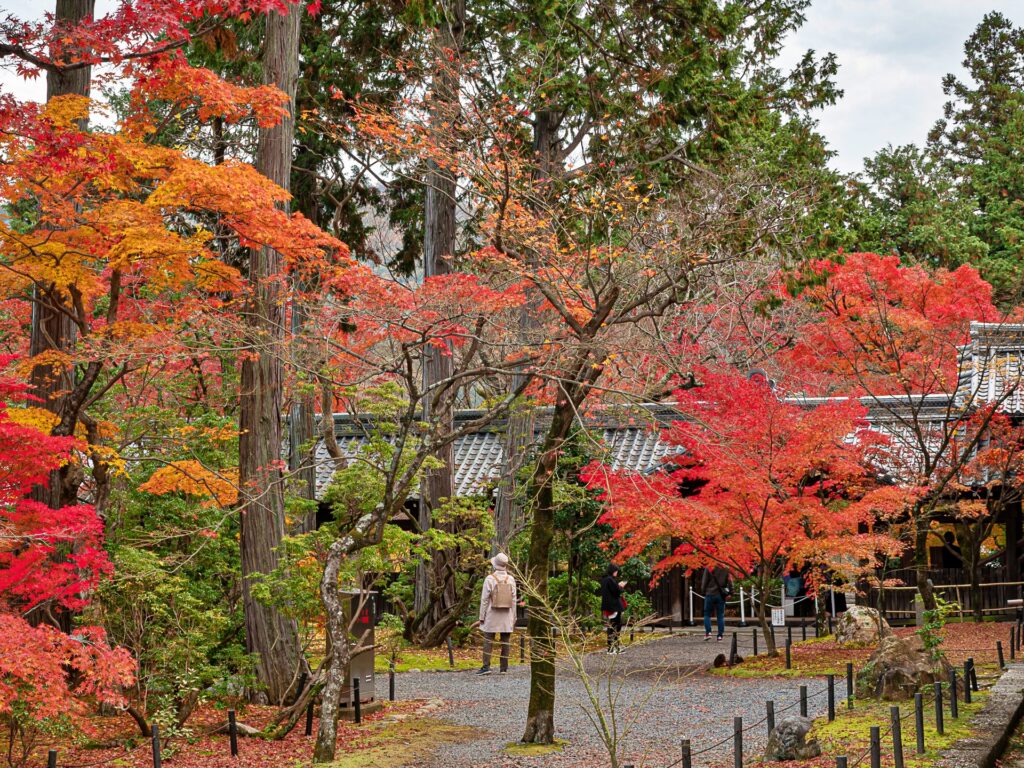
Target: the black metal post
(391, 682)
(876, 747)
(233, 732)
(687, 761)
(309, 716)
(1013, 643)
(967, 681)
(737, 741)
(789, 634)
(919, 721)
(155, 729)
(451, 653)
(753, 634)
(357, 703)
(999, 653)
(831, 697)
(954, 709)
(789, 654)
(803, 701)
(803, 629)
(974, 673)
(770, 715)
(849, 685)
(897, 736)
(938, 709)
(51, 759)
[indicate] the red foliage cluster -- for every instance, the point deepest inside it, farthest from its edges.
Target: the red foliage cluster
(44, 673)
(772, 483)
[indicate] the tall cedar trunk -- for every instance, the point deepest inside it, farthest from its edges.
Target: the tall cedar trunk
(435, 597)
(306, 198)
(269, 635)
(508, 508)
(52, 327)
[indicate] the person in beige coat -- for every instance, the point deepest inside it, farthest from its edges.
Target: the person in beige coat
(498, 601)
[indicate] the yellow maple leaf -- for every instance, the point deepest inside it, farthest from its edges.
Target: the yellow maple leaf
(193, 479)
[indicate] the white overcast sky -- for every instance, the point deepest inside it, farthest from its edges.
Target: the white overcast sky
(892, 56)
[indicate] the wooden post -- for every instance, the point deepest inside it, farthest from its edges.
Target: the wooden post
(919, 721)
(687, 758)
(999, 653)
(789, 654)
(938, 709)
(51, 759)
(876, 747)
(155, 729)
(803, 701)
(831, 697)
(770, 715)
(737, 741)
(309, 716)
(897, 737)
(849, 685)
(233, 732)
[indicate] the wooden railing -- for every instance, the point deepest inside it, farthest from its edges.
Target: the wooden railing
(951, 584)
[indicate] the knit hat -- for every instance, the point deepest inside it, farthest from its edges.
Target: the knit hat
(500, 561)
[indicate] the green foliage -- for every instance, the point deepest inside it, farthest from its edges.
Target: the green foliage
(934, 620)
(184, 638)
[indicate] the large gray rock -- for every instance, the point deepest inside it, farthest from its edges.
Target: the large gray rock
(859, 626)
(788, 740)
(900, 668)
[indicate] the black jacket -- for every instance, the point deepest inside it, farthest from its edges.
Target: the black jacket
(715, 580)
(611, 595)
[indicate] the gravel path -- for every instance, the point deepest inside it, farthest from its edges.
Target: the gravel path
(661, 685)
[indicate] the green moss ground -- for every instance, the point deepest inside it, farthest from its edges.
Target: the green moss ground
(850, 733)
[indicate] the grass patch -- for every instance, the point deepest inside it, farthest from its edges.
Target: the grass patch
(849, 734)
(395, 744)
(427, 660)
(519, 749)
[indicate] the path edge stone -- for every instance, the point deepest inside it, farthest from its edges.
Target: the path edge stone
(992, 727)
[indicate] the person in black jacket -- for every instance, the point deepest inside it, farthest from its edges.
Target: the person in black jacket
(612, 606)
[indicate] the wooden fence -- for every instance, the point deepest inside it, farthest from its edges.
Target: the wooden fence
(951, 584)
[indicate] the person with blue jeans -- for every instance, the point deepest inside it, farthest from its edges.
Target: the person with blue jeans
(716, 586)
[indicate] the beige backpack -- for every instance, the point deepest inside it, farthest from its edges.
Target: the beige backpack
(502, 596)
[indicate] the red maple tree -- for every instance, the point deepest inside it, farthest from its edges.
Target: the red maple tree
(777, 485)
(46, 675)
(894, 336)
